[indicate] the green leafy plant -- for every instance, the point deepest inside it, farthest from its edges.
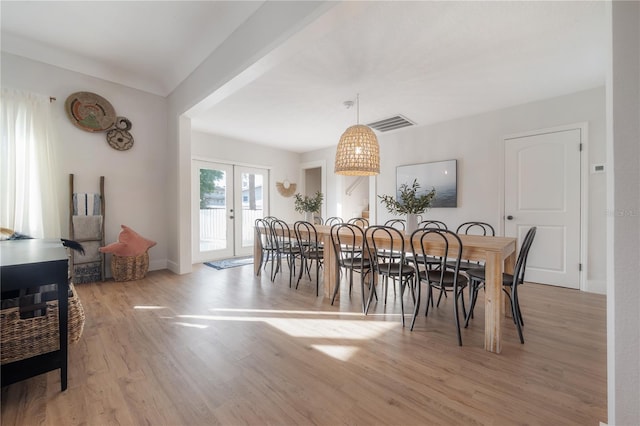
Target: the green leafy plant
(410, 202)
(306, 204)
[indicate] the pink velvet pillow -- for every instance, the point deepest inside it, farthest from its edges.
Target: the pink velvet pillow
(130, 243)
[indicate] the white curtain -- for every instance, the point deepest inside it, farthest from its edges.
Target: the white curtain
(28, 169)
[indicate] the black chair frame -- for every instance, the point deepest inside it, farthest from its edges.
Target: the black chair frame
(510, 283)
(445, 279)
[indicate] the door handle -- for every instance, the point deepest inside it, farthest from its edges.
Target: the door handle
(231, 217)
(509, 217)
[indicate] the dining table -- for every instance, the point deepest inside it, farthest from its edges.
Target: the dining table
(497, 253)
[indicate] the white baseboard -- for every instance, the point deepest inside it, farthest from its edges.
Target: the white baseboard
(158, 264)
(172, 266)
(596, 286)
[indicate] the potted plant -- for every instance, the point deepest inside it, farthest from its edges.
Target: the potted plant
(409, 203)
(308, 205)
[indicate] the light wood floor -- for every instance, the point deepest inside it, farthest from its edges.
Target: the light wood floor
(224, 347)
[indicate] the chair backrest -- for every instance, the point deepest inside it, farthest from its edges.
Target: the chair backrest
(270, 219)
(359, 221)
(334, 220)
(306, 235)
(394, 239)
(349, 243)
(281, 235)
(317, 220)
(521, 262)
(452, 249)
(263, 233)
(476, 228)
(432, 224)
(396, 223)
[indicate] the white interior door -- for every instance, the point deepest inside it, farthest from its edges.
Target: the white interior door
(542, 188)
(251, 202)
(212, 220)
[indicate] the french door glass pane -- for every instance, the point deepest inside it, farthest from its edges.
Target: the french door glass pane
(213, 205)
(252, 205)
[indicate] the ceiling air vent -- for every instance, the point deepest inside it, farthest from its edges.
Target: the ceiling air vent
(391, 123)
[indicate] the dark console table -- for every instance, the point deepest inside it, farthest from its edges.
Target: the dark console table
(33, 263)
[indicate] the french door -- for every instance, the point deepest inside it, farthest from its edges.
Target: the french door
(227, 199)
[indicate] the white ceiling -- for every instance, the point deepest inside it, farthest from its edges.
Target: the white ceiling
(428, 61)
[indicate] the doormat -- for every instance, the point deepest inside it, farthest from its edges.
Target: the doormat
(230, 263)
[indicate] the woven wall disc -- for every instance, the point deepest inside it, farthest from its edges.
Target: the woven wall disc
(285, 188)
(90, 112)
(123, 123)
(118, 139)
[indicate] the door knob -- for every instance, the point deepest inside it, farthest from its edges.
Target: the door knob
(230, 217)
(509, 217)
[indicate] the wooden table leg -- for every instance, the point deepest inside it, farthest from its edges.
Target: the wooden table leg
(256, 254)
(330, 267)
(493, 307)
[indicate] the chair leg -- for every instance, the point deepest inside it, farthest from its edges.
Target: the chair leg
(461, 295)
(385, 284)
(261, 261)
(364, 302)
(429, 298)
(401, 300)
(472, 303)
(440, 297)
(300, 273)
(337, 287)
(277, 259)
(291, 263)
(456, 313)
(416, 307)
(317, 277)
(514, 312)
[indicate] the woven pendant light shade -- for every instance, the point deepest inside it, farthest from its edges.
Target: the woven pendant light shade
(358, 152)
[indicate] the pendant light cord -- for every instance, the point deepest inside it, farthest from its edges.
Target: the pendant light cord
(357, 108)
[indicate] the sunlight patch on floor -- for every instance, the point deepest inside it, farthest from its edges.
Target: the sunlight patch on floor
(312, 328)
(341, 353)
(191, 325)
(288, 312)
(148, 307)
(279, 311)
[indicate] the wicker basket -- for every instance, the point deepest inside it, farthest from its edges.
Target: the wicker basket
(129, 268)
(29, 337)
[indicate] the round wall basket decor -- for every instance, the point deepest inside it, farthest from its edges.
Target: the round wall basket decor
(90, 112)
(120, 138)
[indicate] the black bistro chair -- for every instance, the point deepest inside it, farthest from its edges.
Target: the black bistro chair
(432, 224)
(350, 245)
(264, 240)
(359, 221)
(474, 228)
(429, 261)
(510, 283)
(397, 270)
(311, 250)
(442, 279)
(333, 220)
(284, 241)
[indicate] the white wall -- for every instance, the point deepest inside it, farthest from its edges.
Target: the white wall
(623, 222)
(134, 179)
(357, 201)
(312, 181)
(282, 164)
(476, 143)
